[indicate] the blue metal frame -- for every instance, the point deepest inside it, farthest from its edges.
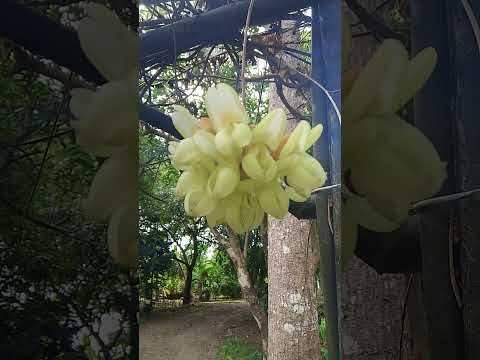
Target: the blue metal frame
(326, 69)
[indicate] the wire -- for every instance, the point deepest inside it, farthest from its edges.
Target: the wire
(473, 21)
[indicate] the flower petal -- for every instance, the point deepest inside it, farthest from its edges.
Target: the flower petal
(313, 136)
(241, 134)
(190, 180)
(122, 236)
(388, 64)
(108, 44)
(297, 140)
(224, 106)
(114, 186)
(259, 165)
(225, 144)
(274, 200)
(205, 142)
(198, 203)
(223, 181)
(271, 128)
(184, 122)
(419, 70)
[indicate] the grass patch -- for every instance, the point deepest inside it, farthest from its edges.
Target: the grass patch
(234, 348)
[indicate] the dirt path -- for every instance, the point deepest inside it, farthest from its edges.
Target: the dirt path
(196, 332)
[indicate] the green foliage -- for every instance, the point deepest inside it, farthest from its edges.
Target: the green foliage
(234, 348)
(257, 266)
(322, 331)
(57, 277)
(216, 278)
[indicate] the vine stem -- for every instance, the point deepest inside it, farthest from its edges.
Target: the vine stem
(244, 52)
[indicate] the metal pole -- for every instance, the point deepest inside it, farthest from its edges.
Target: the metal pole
(326, 70)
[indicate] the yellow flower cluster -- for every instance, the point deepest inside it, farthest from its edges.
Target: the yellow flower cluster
(390, 164)
(233, 172)
(106, 127)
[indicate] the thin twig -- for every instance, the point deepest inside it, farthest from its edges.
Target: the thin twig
(244, 52)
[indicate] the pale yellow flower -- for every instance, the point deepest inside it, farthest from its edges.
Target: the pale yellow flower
(224, 107)
(271, 129)
(389, 162)
(259, 164)
(274, 200)
(223, 181)
(184, 122)
(242, 212)
(245, 178)
(106, 126)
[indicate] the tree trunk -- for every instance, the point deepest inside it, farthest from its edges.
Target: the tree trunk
(187, 288)
(292, 262)
(371, 304)
(248, 290)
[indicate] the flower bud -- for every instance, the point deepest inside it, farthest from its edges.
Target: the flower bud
(297, 195)
(185, 153)
(205, 142)
(274, 200)
(415, 170)
(107, 118)
(224, 106)
(199, 203)
(297, 140)
(313, 136)
(286, 164)
(184, 122)
(224, 143)
(271, 128)
(259, 164)
(192, 179)
(306, 175)
(223, 181)
(103, 37)
(114, 186)
(241, 134)
(242, 212)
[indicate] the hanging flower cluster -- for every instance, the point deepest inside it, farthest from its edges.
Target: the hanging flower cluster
(387, 163)
(106, 127)
(234, 172)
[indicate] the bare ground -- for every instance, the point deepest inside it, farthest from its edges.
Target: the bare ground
(195, 332)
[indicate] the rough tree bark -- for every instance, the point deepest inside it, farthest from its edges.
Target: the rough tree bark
(292, 263)
(371, 304)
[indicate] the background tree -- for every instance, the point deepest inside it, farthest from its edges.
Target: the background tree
(292, 255)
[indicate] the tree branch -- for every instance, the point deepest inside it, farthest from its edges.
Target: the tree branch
(371, 21)
(157, 46)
